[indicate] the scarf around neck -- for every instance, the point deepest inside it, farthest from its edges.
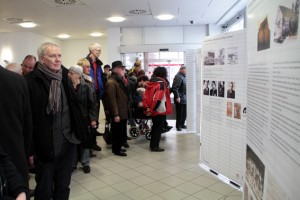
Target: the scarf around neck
(87, 77)
(54, 101)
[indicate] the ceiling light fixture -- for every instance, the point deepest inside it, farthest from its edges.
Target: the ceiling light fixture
(165, 17)
(96, 34)
(28, 25)
(63, 36)
(116, 19)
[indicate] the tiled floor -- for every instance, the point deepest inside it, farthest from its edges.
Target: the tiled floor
(169, 175)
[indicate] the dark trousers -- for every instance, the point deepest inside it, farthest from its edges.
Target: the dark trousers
(156, 130)
(53, 178)
(119, 134)
(180, 114)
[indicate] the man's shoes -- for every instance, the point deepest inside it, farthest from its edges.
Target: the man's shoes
(86, 169)
(126, 145)
(99, 134)
(179, 129)
(96, 147)
(92, 155)
(183, 126)
(128, 138)
(157, 149)
(168, 127)
(165, 130)
(120, 153)
(123, 150)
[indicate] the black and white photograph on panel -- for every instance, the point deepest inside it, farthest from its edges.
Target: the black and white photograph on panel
(209, 58)
(286, 24)
(213, 91)
(206, 87)
(221, 88)
(232, 55)
(231, 90)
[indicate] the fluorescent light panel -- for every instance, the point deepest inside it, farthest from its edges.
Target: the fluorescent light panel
(116, 19)
(28, 25)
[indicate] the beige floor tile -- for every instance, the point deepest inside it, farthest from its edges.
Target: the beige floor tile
(129, 174)
(173, 194)
(106, 192)
(112, 179)
(208, 195)
(139, 194)
(86, 196)
(156, 187)
(158, 174)
(142, 180)
(221, 188)
(125, 186)
(94, 185)
(203, 182)
(189, 188)
(172, 181)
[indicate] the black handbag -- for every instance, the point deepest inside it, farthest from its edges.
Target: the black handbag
(107, 134)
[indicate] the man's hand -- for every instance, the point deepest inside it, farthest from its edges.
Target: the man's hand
(178, 99)
(94, 124)
(21, 196)
(117, 119)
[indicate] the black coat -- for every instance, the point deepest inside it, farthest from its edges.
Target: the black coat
(10, 175)
(42, 122)
(179, 87)
(15, 119)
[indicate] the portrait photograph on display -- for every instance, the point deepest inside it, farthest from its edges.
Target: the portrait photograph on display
(237, 111)
(255, 173)
(213, 91)
(220, 58)
(231, 90)
(286, 24)
(229, 109)
(209, 58)
(263, 35)
(206, 87)
(221, 88)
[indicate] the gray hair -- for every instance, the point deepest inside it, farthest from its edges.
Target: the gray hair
(94, 46)
(77, 69)
(14, 67)
(42, 49)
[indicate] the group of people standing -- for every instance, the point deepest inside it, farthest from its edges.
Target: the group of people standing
(53, 113)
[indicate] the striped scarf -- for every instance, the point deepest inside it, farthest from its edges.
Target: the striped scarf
(54, 102)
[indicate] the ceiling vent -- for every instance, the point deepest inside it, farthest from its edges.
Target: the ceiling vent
(62, 3)
(139, 12)
(14, 20)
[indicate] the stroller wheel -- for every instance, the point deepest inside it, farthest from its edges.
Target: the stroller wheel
(148, 135)
(134, 132)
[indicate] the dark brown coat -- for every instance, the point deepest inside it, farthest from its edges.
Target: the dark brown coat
(117, 97)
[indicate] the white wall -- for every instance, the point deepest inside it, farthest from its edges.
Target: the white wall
(73, 50)
(15, 46)
(151, 39)
(114, 41)
(19, 44)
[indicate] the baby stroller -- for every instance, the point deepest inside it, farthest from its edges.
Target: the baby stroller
(142, 127)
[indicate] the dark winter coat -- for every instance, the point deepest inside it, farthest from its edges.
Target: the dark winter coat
(179, 87)
(42, 122)
(15, 119)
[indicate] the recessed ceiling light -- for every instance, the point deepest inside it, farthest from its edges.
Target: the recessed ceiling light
(165, 17)
(27, 24)
(116, 19)
(63, 36)
(96, 34)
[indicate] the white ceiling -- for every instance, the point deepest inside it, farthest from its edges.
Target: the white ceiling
(87, 16)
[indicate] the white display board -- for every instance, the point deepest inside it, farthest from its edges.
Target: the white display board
(223, 100)
(273, 114)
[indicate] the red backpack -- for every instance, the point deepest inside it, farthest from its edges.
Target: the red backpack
(156, 91)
